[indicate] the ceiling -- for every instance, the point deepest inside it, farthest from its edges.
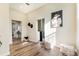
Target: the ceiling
(23, 7)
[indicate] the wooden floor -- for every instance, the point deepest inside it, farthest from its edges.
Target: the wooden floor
(24, 49)
(31, 49)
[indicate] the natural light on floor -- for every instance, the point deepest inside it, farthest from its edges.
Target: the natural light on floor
(50, 34)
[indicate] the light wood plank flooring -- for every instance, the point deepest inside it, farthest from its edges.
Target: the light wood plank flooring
(32, 49)
(24, 49)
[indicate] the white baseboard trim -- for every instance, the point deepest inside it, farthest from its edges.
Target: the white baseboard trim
(5, 54)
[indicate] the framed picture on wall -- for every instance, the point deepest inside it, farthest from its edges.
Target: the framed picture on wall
(57, 19)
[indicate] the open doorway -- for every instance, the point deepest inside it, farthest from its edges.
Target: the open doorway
(41, 26)
(16, 31)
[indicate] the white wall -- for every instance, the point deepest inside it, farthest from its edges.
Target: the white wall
(65, 34)
(5, 35)
(6, 16)
(77, 41)
(16, 15)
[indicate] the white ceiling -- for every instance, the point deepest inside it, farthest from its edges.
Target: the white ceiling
(26, 8)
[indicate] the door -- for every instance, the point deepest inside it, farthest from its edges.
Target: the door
(41, 26)
(16, 31)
